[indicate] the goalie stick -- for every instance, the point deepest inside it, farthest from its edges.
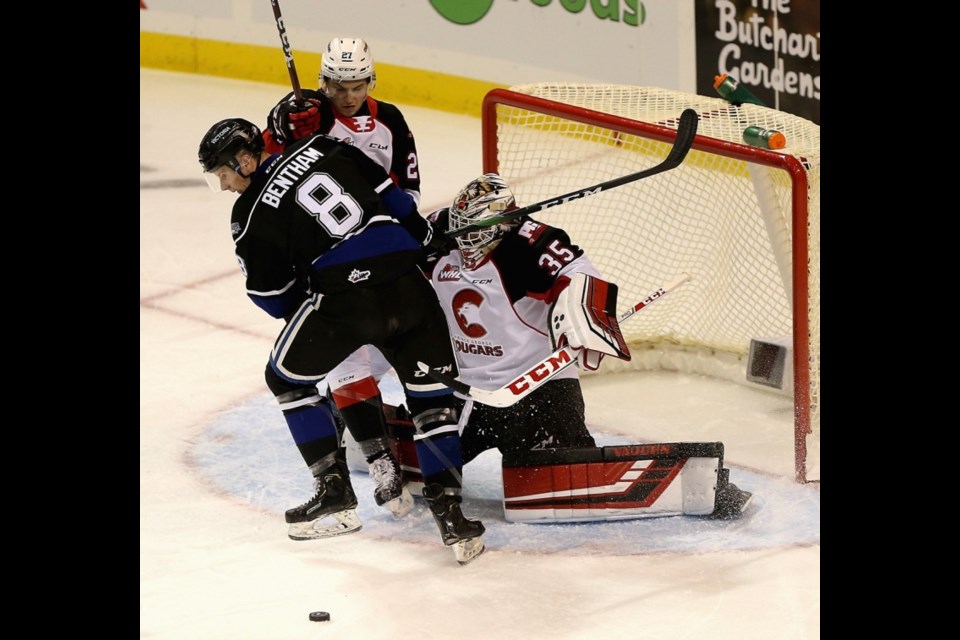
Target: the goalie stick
(287, 53)
(686, 132)
(535, 377)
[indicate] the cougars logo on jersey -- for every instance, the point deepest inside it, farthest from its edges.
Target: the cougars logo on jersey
(466, 310)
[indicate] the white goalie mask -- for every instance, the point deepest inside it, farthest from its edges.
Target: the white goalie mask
(346, 60)
(484, 198)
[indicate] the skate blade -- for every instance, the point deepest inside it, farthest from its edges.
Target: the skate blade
(328, 526)
(401, 505)
(467, 551)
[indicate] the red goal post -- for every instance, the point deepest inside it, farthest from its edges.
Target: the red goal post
(727, 216)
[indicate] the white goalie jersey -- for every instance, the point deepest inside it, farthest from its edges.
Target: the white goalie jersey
(498, 311)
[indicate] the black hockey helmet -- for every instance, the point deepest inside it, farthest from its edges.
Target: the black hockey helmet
(225, 139)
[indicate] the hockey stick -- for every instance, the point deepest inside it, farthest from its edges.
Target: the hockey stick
(535, 377)
(287, 53)
(686, 132)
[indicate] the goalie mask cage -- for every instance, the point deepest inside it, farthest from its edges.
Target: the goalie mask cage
(743, 221)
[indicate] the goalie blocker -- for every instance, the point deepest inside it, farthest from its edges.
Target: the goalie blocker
(592, 484)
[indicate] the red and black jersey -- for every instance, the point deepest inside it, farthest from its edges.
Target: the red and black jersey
(379, 130)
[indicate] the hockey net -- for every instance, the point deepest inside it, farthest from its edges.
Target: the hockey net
(744, 222)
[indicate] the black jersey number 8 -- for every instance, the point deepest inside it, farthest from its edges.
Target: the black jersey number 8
(332, 207)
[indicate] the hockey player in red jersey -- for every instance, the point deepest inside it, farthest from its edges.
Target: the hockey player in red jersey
(344, 109)
(329, 243)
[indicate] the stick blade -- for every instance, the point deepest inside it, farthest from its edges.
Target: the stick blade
(686, 132)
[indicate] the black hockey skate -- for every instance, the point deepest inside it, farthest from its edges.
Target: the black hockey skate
(330, 512)
(455, 530)
(730, 501)
(389, 489)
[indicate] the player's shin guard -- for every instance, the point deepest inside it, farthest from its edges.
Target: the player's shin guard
(437, 440)
(361, 408)
(310, 422)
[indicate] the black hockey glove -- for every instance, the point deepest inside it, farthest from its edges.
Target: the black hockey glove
(291, 120)
(439, 244)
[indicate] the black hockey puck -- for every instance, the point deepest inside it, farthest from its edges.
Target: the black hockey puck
(319, 616)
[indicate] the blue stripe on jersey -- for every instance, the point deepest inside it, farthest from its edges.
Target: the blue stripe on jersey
(373, 242)
(398, 202)
(441, 390)
(279, 305)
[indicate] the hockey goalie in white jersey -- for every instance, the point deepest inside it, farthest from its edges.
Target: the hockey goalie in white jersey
(512, 294)
(497, 291)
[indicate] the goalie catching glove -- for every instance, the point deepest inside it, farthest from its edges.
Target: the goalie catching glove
(584, 317)
(291, 120)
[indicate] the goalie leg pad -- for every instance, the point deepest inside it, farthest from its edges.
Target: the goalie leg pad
(612, 483)
(585, 316)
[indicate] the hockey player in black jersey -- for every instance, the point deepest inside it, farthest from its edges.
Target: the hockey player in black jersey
(329, 243)
(344, 109)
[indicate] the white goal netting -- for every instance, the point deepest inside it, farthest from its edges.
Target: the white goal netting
(727, 216)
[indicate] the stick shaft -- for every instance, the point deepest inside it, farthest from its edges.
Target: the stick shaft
(287, 53)
(537, 375)
(686, 132)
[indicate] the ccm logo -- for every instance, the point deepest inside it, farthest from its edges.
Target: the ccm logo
(573, 196)
(540, 371)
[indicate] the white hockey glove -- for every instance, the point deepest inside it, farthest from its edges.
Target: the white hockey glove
(585, 318)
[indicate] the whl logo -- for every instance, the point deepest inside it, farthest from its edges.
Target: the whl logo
(471, 11)
(449, 273)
